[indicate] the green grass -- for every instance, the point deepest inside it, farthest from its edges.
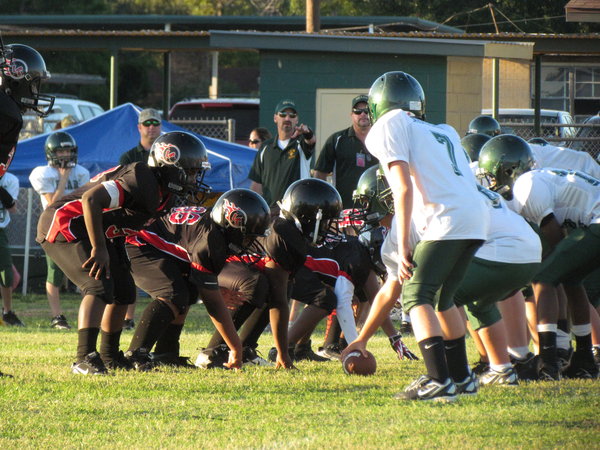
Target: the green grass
(317, 406)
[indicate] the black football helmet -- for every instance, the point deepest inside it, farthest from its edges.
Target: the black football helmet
(472, 144)
(396, 90)
(21, 75)
(502, 160)
(244, 215)
(182, 161)
(484, 125)
(314, 206)
(61, 140)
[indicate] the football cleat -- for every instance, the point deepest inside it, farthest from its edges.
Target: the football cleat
(90, 365)
(304, 352)
(480, 367)
(140, 359)
(213, 358)
(10, 318)
(273, 354)
(171, 359)
(526, 368)
(60, 323)
(331, 352)
(251, 357)
(563, 356)
(396, 314)
(507, 377)
(117, 362)
(582, 366)
(549, 372)
(427, 389)
(468, 386)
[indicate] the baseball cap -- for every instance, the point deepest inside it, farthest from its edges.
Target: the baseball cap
(285, 104)
(149, 114)
(360, 99)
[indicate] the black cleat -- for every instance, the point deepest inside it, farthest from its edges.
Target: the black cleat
(213, 358)
(331, 352)
(480, 367)
(304, 352)
(549, 372)
(272, 356)
(60, 323)
(90, 365)
(251, 357)
(527, 368)
(582, 366)
(171, 359)
(140, 359)
(564, 356)
(10, 318)
(118, 362)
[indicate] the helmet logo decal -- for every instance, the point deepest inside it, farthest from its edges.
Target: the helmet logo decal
(16, 68)
(234, 215)
(167, 153)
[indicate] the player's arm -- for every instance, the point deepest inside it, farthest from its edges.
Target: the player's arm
(380, 310)
(62, 184)
(279, 312)
(402, 190)
(224, 324)
(8, 201)
(551, 230)
(256, 187)
(93, 202)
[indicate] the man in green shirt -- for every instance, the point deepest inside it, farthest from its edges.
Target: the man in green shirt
(344, 153)
(284, 158)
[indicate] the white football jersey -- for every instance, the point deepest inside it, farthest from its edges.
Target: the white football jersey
(44, 179)
(573, 197)
(510, 238)
(564, 158)
(11, 183)
(446, 203)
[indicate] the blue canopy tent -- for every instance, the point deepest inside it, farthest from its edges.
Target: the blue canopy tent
(104, 138)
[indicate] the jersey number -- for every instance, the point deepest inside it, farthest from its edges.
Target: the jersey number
(187, 215)
(450, 148)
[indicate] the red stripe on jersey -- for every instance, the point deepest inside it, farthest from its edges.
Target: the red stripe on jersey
(326, 266)
(257, 261)
(169, 248)
(61, 221)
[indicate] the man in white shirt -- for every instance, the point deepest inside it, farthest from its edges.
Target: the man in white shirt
(433, 187)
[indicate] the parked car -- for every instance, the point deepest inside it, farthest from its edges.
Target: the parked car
(592, 136)
(243, 110)
(520, 122)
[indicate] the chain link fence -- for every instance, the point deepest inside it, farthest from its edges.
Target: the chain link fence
(215, 128)
(578, 136)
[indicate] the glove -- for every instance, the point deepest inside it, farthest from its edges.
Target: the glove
(6, 199)
(401, 349)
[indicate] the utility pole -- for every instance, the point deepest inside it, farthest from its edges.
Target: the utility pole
(313, 16)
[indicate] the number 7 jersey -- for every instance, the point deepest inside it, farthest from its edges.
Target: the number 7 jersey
(446, 204)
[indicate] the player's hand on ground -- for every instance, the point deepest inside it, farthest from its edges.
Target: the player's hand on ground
(98, 263)
(232, 299)
(284, 361)
(357, 345)
(235, 360)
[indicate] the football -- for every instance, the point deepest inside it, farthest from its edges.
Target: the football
(356, 364)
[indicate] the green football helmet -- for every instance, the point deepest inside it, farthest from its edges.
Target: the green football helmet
(61, 140)
(472, 144)
(396, 90)
(484, 125)
(373, 195)
(538, 141)
(502, 160)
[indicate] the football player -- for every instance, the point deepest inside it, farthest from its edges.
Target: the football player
(62, 175)
(22, 70)
(484, 125)
(83, 232)
(432, 184)
(559, 202)
(180, 256)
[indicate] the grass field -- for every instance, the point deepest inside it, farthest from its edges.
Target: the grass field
(317, 406)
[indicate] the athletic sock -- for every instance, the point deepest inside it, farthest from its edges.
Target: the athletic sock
(456, 357)
(86, 342)
(168, 342)
(548, 346)
(434, 356)
(154, 321)
(583, 337)
(333, 331)
(109, 345)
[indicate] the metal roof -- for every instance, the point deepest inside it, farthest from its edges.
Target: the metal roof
(583, 11)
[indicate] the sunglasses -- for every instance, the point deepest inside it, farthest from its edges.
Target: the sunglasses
(291, 115)
(255, 141)
(151, 122)
(359, 111)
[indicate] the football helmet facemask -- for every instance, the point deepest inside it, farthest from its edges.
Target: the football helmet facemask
(484, 125)
(182, 161)
(21, 75)
(372, 197)
(61, 141)
(314, 206)
(244, 215)
(396, 90)
(502, 160)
